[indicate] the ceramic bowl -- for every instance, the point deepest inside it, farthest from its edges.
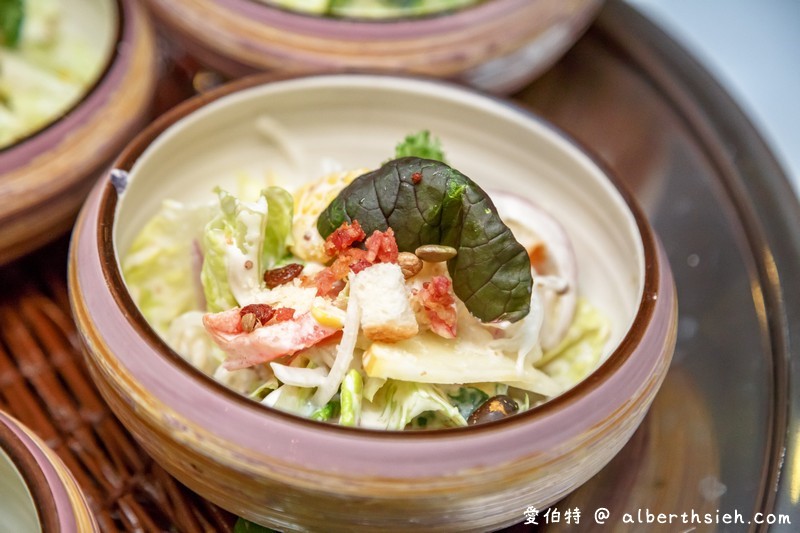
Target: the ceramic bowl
(37, 492)
(497, 45)
(45, 177)
(296, 474)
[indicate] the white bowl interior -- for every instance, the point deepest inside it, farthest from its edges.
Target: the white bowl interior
(16, 502)
(294, 129)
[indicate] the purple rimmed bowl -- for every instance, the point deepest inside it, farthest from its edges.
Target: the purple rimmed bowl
(45, 177)
(496, 45)
(37, 491)
(296, 474)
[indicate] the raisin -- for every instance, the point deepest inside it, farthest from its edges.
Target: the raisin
(262, 312)
(285, 274)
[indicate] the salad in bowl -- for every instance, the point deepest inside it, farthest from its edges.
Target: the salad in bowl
(347, 327)
(48, 61)
(402, 297)
(372, 9)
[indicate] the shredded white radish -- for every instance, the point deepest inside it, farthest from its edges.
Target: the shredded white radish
(344, 351)
(299, 377)
(557, 284)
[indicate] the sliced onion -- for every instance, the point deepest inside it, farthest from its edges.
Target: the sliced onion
(560, 306)
(299, 377)
(344, 351)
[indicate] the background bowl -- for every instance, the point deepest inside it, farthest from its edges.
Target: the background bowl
(45, 177)
(37, 492)
(497, 45)
(293, 473)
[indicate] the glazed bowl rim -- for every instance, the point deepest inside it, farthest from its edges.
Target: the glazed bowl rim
(395, 28)
(118, 36)
(110, 265)
(29, 469)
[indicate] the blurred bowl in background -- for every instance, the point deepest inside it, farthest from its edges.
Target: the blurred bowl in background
(496, 45)
(45, 174)
(37, 492)
(297, 474)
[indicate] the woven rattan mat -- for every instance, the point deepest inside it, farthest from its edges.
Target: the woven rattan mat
(44, 383)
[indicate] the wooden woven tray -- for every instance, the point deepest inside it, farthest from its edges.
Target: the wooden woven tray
(44, 383)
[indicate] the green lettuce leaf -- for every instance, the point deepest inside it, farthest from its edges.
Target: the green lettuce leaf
(160, 268)
(12, 15)
(240, 243)
(232, 246)
(351, 394)
(580, 351)
(420, 145)
(327, 412)
(491, 272)
(278, 232)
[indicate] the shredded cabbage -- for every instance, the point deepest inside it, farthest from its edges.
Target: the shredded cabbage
(160, 268)
(397, 403)
(240, 242)
(579, 352)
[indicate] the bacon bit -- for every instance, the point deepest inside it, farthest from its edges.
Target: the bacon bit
(382, 247)
(262, 312)
(285, 274)
(344, 237)
(326, 280)
(282, 314)
(416, 177)
(360, 265)
(439, 303)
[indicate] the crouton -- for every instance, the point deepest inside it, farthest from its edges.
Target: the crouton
(386, 313)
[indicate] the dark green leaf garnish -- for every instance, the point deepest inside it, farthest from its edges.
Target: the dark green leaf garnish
(246, 526)
(428, 202)
(12, 13)
(468, 399)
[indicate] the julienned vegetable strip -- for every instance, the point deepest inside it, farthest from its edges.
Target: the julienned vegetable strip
(428, 202)
(352, 389)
